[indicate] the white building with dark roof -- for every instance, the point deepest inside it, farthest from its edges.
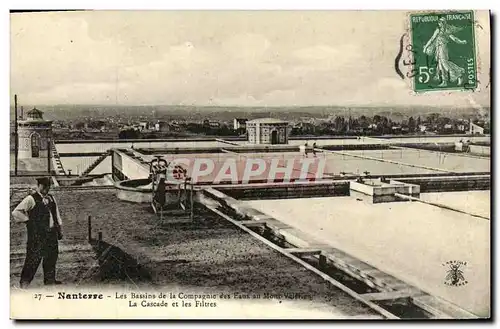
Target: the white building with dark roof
(239, 123)
(267, 131)
(475, 129)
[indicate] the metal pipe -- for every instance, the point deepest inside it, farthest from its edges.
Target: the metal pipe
(48, 154)
(408, 197)
(192, 202)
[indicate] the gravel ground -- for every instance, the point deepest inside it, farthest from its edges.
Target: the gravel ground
(209, 254)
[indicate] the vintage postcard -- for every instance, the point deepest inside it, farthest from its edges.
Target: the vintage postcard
(250, 165)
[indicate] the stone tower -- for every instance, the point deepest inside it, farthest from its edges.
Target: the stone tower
(35, 134)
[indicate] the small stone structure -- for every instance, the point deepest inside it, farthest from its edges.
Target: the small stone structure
(377, 191)
(35, 134)
(267, 131)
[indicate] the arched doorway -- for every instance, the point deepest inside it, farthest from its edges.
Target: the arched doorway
(35, 145)
(274, 137)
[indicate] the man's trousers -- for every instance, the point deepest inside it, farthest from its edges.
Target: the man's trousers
(43, 245)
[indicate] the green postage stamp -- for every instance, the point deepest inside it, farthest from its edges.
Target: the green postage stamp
(444, 51)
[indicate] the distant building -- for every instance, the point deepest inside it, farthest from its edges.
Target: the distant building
(475, 129)
(161, 126)
(211, 124)
(396, 129)
(422, 128)
(143, 125)
(267, 131)
(239, 123)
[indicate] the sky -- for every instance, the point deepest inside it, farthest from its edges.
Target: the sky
(226, 58)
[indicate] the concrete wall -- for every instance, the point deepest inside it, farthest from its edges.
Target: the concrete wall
(34, 165)
(134, 196)
(132, 168)
(362, 188)
(139, 191)
(480, 150)
(286, 191)
(450, 184)
(406, 188)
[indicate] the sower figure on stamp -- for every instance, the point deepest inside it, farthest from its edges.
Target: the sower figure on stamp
(437, 46)
(41, 215)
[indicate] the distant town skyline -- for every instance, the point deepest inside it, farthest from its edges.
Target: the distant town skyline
(246, 59)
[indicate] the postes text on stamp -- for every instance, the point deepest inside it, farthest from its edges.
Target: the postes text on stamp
(443, 48)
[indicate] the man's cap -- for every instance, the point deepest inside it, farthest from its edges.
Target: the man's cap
(43, 181)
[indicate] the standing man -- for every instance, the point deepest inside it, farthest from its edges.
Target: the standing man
(41, 215)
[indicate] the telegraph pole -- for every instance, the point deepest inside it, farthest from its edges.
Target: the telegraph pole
(191, 206)
(16, 142)
(48, 154)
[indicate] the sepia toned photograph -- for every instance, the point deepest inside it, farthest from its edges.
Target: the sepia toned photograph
(321, 165)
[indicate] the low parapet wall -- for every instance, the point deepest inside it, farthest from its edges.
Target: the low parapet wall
(450, 184)
(66, 181)
(341, 187)
(482, 150)
(134, 190)
(261, 148)
(355, 147)
(147, 140)
(286, 190)
(178, 150)
(140, 191)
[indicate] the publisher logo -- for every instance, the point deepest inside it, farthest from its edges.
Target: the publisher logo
(455, 273)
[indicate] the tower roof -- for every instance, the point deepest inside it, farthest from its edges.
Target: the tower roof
(35, 114)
